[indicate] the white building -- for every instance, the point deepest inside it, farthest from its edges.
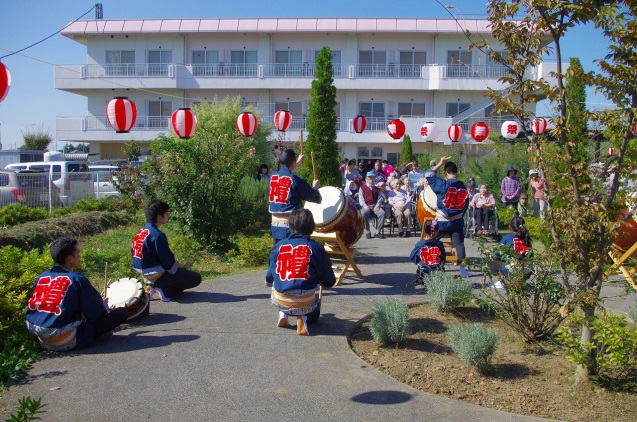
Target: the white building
(414, 69)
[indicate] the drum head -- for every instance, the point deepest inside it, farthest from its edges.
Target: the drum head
(124, 292)
(332, 204)
(430, 200)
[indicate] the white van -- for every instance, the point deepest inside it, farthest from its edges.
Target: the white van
(72, 179)
(103, 176)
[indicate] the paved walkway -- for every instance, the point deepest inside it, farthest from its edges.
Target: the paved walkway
(215, 354)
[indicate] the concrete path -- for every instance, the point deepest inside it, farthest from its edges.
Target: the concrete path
(215, 354)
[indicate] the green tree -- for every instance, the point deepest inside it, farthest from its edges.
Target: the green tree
(576, 114)
(406, 152)
(585, 205)
(200, 177)
(321, 124)
(36, 138)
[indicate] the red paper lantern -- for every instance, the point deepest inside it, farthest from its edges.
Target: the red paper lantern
(184, 122)
(282, 120)
(455, 132)
(247, 124)
(479, 131)
(5, 81)
(360, 123)
(429, 131)
(539, 125)
(510, 129)
(611, 151)
(396, 129)
(121, 114)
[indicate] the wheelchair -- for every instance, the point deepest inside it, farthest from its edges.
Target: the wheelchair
(470, 222)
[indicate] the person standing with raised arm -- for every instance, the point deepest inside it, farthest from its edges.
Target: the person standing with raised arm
(286, 193)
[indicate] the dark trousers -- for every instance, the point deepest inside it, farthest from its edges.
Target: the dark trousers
(173, 284)
(87, 331)
(455, 229)
(482, 218)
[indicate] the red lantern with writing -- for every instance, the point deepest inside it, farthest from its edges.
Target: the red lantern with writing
(247, 124)
(611, 151)
(510, 129)
(455, 132)
(121, 114)
(282, 120)
(429, 131)
(539, 125)
(396, 129)
(5, 81)
(184, 122)
(360, 123)
(479, 131)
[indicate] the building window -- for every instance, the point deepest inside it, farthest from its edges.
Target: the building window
(296, 109)
(496, 69)
(336, 62)
(392, 157)
(372, 63)
(375, 114)
(159, 113)
(377, 152)
(158, 61)
(453, 109)
(459, 64)
(363, 152)
(288, 63)
(411, 63)
(411, 109)
(120, 63)
(242, 63)
(205, 63)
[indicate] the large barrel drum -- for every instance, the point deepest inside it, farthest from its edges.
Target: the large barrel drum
(337, 212)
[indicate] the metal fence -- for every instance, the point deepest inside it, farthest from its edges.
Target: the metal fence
(52, 190)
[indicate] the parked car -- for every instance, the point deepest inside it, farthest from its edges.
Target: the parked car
(103, 176)
(27, 187)
(72, 179)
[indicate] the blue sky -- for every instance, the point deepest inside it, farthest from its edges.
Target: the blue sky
(33, 102)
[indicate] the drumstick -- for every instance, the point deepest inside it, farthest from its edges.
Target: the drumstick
(301, 143)
(105, 277)
(313, 166)
(320, 292)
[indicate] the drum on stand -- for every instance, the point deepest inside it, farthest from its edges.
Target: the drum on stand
(129, 293)
(337, 212)
(426, 208)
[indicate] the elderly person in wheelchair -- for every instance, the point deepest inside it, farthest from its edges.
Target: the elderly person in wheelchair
(483, 205)
(400, 207)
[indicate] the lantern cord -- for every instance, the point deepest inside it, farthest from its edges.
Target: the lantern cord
(55, 33)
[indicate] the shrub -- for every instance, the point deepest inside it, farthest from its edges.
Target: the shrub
(185, 248)
(252, 251)
(532, 297)
(632, 312)
(390, 322)
(445, 291)
(614, 345)
(27, 410)
(92, 204)
(252, 197)
(11, 215)
(473, 343)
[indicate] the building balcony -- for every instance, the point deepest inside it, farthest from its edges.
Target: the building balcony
(278, 76)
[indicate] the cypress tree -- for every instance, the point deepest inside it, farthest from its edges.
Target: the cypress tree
(406, 151)
(321, 124)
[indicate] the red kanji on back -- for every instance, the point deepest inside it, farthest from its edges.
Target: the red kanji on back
(48, 294)
(138, 243)
(280, 189)
(519, 246)
(430, 256)
(455, 199)
(292, 262)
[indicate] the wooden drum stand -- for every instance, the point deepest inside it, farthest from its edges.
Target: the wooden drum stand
(334, 245)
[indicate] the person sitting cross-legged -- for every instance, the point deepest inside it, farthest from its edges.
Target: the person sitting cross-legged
(370, 199)
(297, 266)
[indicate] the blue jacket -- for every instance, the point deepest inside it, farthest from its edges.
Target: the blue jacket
(429, 254)
(286, 193)
(299, 263)
(452, 195)
(516, 243)
(151, 253)
(62, 297)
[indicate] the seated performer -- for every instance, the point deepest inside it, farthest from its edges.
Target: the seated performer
(65, 311)
(153, 259)
(428, 254)
(298, 265)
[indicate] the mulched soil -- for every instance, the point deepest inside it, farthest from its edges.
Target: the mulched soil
(527, 379)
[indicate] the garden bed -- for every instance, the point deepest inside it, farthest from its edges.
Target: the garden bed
(527, 379)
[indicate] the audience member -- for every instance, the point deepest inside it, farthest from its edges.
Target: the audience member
(400, 204)
(483, 205)
(510, 188)
(370, 199)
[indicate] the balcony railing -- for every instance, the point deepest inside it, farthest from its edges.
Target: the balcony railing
(129, 70)
(475, 71)
(141, 123)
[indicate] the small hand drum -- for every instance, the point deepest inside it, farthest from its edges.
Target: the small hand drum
(129, 293)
